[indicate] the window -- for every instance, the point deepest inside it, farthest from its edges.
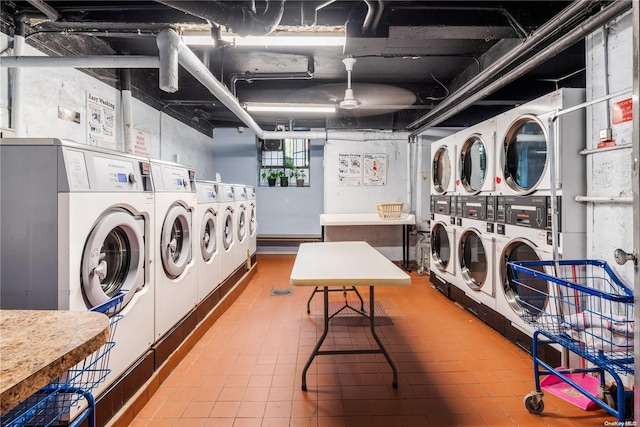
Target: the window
(284, 157)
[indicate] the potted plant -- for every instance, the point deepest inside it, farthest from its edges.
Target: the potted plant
(284, 179)
(299, 174)
(271, 176)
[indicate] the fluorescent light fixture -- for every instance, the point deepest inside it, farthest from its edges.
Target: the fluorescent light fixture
(288, 107)
(291, 39)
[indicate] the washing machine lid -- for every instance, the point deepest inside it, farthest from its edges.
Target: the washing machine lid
(441, 170)
(528, 302)
(227, 229)
(209, 235)
(472, 259)
(441, 246)
(113, 258)
(472, 164)
(175, 240)
(525, 154)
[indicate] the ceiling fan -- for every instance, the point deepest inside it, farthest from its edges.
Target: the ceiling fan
(349, 102)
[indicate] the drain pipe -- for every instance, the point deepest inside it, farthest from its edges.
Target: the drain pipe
(174, 51)
(535, 39)
(127, 114)
(612, 11)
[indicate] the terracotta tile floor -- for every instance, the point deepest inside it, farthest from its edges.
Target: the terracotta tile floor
(453, 369)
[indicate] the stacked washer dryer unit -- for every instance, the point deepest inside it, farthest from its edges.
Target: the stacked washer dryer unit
(176, 276)
(228, 232)
(475, 243)
(209, 241)
(77, 229)
(523, 204)
(242, 225)
(253, 220)
(442, 262)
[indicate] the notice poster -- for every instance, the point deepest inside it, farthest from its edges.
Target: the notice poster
(101, 121)
(349, 170)
(622, 111)
(141, 142)
(375, 169)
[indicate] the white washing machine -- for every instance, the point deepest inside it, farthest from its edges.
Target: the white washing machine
(176, 277)
(77, 229)
(443, 165)
(228, 232)
(242, 251)
(475, 252)
(253, 220)
(209, 240)
(524, 139)
(476, 158)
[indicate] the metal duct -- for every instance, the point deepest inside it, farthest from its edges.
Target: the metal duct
(43, 7)
(241, 20)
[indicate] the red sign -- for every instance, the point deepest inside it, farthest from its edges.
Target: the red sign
(622, 111)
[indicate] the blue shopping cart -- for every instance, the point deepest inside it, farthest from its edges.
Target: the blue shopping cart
(48, 405)
(589, 311)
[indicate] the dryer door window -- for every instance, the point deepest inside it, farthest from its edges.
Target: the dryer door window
(242, 226)
(208, 233)
(175, 241)
(441, 170)
(227, 235)
(528, 302)
(525, 148)
(473, 164)
(473, 260)
(113, 258)
(440, 247)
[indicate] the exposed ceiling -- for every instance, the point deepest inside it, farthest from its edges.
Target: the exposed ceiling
(411, 55)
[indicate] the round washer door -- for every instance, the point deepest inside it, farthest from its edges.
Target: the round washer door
(113, 258)
(440, 246)
(441, 170)
(473, 259)
(242, 223)
(175, 241)
(525, 154)
(473, 164)
(227, 231)
(529, 302)
(252, 220)
(208, 233)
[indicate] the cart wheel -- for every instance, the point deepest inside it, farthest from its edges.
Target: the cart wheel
(534, 404)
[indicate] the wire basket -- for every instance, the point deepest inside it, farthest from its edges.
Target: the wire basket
(46, 406)
(583, 306)
(390, 210)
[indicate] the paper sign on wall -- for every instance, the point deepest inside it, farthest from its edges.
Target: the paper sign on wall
(622, 111)
(349, 170)
(141, 142)
(375, 169)
(101, 121)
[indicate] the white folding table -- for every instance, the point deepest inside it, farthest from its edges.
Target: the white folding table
(345, 264)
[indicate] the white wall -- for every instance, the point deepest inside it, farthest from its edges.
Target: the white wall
(610, 226)
(46, 89)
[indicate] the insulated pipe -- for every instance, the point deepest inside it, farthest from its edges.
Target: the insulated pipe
(127, 114)
(612, 11)
(17, 99)
(43, 7)
(241, 20)
(169, 39)
(376, 20)
(368, 19)
(602, 199)
(101, 61)
(248, 76)
(535, 39)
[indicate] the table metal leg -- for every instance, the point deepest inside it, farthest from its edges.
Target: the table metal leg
(315, 352)
(344, 290)
(375, 336)
(405, 247)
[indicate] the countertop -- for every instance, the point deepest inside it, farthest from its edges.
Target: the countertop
(364, 219)
(37, 346)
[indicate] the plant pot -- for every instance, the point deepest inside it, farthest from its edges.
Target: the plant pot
(300, 182)
(272, 182)
(284, 181)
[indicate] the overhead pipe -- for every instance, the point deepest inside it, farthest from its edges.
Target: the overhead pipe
(17, 99)
(170, 45)
(437, 117)
(127, 110)
(534, 40)
(241, 20)
(376, 20)
(98, 61)
(249, 76)
(368, 19)
(43, 7)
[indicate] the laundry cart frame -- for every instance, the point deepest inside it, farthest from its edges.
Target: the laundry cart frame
(591, 316)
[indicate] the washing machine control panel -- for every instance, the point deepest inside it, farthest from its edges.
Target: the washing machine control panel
(173, 178)
(527, 211)
(441, 204)
(473, 207)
